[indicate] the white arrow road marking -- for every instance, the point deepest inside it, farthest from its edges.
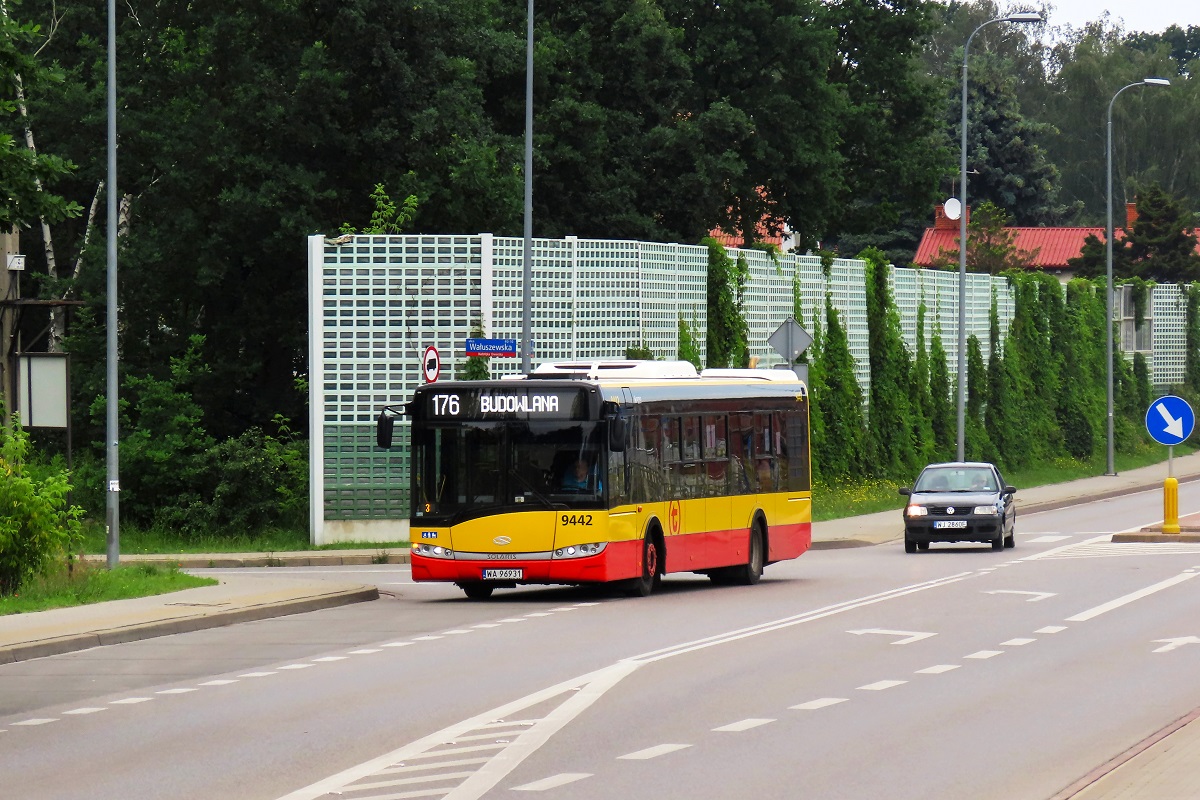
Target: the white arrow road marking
(1036, 595)
(911, 636)
(1172, 644)
(1174, 426)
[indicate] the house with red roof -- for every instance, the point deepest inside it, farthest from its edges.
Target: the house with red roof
(1051, 248)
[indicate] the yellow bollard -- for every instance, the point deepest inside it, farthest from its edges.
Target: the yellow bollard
(1170, 506)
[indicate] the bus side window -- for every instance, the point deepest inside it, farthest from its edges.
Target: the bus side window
(740, 463)
(799, 478)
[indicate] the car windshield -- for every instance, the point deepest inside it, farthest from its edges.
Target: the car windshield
(956, 479)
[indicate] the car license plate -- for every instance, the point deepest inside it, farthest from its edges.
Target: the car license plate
(950, 523)
(503, 574)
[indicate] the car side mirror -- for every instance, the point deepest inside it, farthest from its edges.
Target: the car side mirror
(904, 490)
(1010, 490)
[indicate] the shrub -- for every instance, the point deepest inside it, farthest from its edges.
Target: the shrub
(37, 524)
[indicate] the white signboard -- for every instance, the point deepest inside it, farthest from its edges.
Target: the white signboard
(42, 390)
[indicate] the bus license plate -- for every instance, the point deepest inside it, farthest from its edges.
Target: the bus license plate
(950, 523)
(503, 574)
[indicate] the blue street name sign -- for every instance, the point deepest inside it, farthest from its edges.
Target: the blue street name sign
(1170, 420)
(492, 347)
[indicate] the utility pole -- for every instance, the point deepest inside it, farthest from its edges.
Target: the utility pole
(10, 290)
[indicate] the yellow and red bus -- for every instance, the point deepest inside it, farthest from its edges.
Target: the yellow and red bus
(607, 471)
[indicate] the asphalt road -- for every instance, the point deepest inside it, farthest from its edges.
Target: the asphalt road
(958, 672)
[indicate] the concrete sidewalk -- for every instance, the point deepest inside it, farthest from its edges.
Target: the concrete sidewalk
(1160, 767)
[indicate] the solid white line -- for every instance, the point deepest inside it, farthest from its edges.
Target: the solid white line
(984, 654)
(744, 725)
(553, 782)
(879, 686)
(1084, 616)
(654, 752)
(938, 669)
(824, 702)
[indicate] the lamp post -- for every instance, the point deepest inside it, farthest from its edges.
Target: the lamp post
(527, 274)
(1022, 16)
(1108, 240)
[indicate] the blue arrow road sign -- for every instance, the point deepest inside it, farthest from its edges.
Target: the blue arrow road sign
(1170, 420)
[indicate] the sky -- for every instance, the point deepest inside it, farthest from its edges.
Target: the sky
(1151, 16)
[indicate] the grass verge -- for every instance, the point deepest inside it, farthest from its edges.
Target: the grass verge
(82, 583)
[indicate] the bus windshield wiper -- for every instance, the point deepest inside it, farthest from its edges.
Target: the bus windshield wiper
(541, 497)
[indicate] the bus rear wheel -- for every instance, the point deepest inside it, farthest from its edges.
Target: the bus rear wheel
(651, 569)
(752, 570)
(477, 591)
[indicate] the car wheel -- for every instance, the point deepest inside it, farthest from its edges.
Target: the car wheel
(998, 542)
(909, 545)
(922, 545)
(1011, 540)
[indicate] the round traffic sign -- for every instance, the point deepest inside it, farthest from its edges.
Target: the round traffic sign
(431, 364)
(1170, 420)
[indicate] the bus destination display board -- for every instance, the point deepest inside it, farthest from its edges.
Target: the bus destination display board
(498, 403)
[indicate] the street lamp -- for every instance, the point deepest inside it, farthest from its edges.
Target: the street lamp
(1108, 235)
(1021, 16)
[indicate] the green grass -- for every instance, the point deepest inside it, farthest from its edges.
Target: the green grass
(87, 583)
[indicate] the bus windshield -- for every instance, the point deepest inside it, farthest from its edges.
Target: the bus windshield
(477, 468)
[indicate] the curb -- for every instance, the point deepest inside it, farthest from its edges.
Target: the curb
(302, 558)
(202, 621)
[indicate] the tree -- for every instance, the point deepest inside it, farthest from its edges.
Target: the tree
(991, 244)
(1162, 244)
(941, 411)
(890, 446)
(837, 404)
(476, 368)
(728, 334)
(689, 350)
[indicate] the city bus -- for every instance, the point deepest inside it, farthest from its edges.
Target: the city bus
(607, 472)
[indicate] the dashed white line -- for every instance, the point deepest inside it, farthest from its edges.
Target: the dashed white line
(654, 752)
(938, 669)
(457, 632)
(879, 686)
(425, 638)
(218, 682)
(1017, 642)
(256, 674)
(553, 782)
(539, 614)
(1051, 629)
(743, 725)
(824, 702)
(366, 651)
(295, 666)
(181, 690)
(396, 644)
(325, 659)
(129, 701)
(487, 625)
(37, 721)
(984, 654)
(88, 710)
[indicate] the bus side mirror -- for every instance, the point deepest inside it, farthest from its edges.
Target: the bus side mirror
(617, 429)
(384, 428)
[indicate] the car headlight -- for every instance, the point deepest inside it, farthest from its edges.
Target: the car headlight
(432, 550)
(916, 511)
(580, 550)
(992, 509)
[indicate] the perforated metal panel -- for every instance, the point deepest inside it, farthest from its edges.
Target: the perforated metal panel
(1169, 335)
(376, 302)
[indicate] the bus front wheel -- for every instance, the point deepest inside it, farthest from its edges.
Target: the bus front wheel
(749, 573)
(477, 591)
(651, 569)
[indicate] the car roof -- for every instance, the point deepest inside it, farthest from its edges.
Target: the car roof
(986, 464)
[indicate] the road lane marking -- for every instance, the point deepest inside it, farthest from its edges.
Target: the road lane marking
(1172, 644)
(36, 721)
(295, 666)
(984, 654)
(365, 651)
(1046, 539)
(654, 752)
(130, 701)
(396, 644)
(1051, 629)
(89, 710)
(824, 702)
(910, 636)
(324, 659)
(1017, 642)
(255, 674)
(218, 682)
(1036, 596)
(744, 725)
(938, 669)
(879, 686)
(1104, 608)
(181, 690)
(553, 782)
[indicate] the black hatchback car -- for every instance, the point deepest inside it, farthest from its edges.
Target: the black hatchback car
(962, 501)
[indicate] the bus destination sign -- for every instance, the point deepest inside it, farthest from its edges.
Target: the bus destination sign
(505, 403)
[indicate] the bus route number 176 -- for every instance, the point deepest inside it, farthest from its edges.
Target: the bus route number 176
(445, 405)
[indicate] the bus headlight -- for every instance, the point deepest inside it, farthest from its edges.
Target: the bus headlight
(580, 550)
(432, 550)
